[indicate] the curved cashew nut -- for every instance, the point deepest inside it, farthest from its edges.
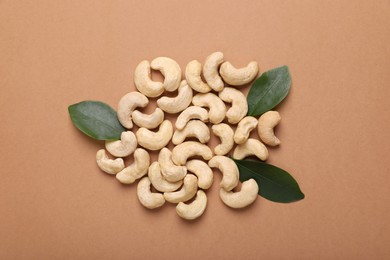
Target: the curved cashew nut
(123, 147)
(210, 71)
(126, 106)
(155, 140)
(251, 147)
(246, 196)
(169, 170)
(195, 209)
(194, 128)
(143, 82)
(202, 171)
(225, 133)
(192, 73)
(241, 76)
(158, 182)
(239, 104)
(170, 70)
(108, 165)
(217, 108)
(245, 126)
(192, 112)
(137, 169)
(148, 199)
(229, 171)
(177, 104)
(148, 121)
(188, 190)
(183, 151)
(267, 122)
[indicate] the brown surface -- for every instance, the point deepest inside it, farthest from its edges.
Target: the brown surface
(56, 204)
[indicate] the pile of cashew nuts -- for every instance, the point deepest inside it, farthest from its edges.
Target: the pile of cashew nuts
(176, 176)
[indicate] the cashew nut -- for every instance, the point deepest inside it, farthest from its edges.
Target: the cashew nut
(144, 83)
(188, 190)
(210, 71)
(246, 196)
(251, 147)
(194, 128)
(267, 122)
(123, 147)
(192, 73)
(169, 170)
(217, 109)
(107, 165)
(183, 151)
(245, 126)
(225, 133)
(177, 104)
(195, 209)
(148, 121)
(155, 140)
(158, 181)
(137, 169)
(126, 106)
(202, 171)
(229, 171)
(241, 76)
(239, 106)
(170, 70)
(192, 112)
(148, 199)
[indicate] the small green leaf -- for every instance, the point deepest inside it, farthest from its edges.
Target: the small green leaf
(274, 183)
(268, 90)
(96, 119)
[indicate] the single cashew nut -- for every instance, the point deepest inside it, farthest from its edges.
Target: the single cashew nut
(188, 190)
(245, 126)
(126, 106)
(155, 140)
(144, 83)
(177, 104)
(267, 122)
(148, 121)
(246, 196)
(108, 165)
(158, 181)
(137, 169)
(183, 151)
(170, 70)
(251, 147)
(229, 171)
(194, 128)
(210, 71)
(217, 109)
(192, 112)
(169, 170)
(192, 73)
(225, 133)
(239, 106)
(195, 209)
(148, 199)
(123, 147)
(241, 76)
(202, 171)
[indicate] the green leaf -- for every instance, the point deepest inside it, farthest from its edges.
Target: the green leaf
(274, 183)
(96, 119)
(268, 90)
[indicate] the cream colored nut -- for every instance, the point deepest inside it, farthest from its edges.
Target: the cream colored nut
(169, 170)
(177, 104)
(195, 209)
(187, 192)
(239, 106)
(192, 112)
(123, 147)
(155, 140)
(108, 165)
(137, 169)
(192, 73)
(251, 147)
(183, 151)
(158, 181)
(267, 122)
(194, 128)
(245, 126)
(148, 121)
(241, 76)
(170, 70)
(229, 171)
(246, 196)
(146, 197)
(225, 133)
(210, 71)
(217, 109)
(144, 83)
(126, 106)
(202, 171)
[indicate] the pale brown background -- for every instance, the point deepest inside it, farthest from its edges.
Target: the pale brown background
(56, 204)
